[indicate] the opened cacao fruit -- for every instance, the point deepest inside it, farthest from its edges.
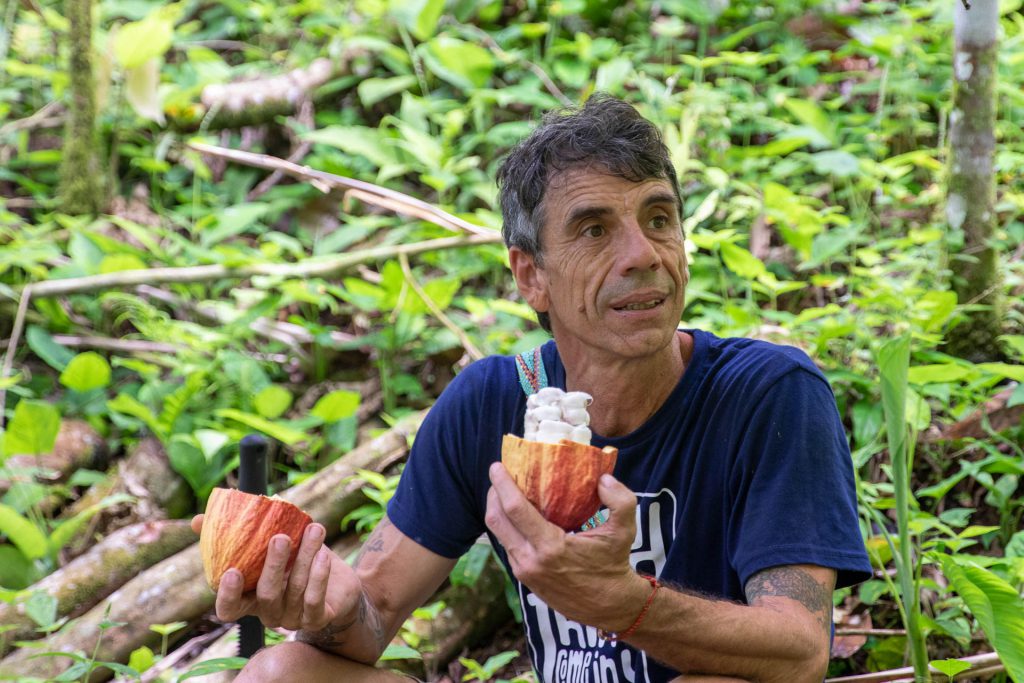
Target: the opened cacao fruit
(237, 529)
(559, 479)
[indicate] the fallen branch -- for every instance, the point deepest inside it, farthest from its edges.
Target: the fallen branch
(368, 192)
(175, 590)
(984, 663)
(86, 580)
(77, 445)
(993, 416)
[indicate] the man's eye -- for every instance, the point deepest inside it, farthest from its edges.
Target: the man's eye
(659, 222)
(595, 230)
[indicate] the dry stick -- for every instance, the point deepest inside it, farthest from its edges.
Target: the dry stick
(323, 179)
(467, 343)
(871, 632)
(983, 663)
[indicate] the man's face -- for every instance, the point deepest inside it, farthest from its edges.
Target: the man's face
(613, 271)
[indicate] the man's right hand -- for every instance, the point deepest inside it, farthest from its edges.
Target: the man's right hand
(319, 589)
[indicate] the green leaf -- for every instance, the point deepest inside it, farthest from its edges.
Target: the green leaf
(996, 605)
(835, 162)
(742, 262)
(394, 651)
(43, 345)
(336, 405)
(41, 607)
(140, 41)
(32, 430)
(702, 212)
(356, 140)
(25, 535)
(142, 90)
(813, 116)
(123, 403)
(893, 359)
(283, 433)
(950, 667)
(141, 658)
(419, 16)
(234, 220)
(67, 529)
(937, 373)
(464, 65)
(1014, 372)
(212, 666)
(272, 401)
(86, 371)
(115, 263)
(373, 90)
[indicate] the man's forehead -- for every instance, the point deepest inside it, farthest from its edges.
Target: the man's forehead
(597, 183)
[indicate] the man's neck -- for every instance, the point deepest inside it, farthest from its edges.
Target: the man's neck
(627, 392)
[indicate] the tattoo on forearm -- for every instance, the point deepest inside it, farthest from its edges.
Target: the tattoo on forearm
(795, 584)
(329, 638)
(375, 543)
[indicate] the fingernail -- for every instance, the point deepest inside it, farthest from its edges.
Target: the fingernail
(281, 544)
(607, 479)
(231, 578)
(314, 532)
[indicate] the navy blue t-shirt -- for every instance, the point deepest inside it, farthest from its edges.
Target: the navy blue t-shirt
(743, 468)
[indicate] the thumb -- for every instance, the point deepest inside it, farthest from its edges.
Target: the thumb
(621, 502)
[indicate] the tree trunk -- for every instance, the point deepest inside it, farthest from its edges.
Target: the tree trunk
(88, 579)
(175, 589)
(81, 182)
(970, 205)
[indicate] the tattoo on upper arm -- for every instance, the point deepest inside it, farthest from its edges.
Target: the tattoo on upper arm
(795, 584)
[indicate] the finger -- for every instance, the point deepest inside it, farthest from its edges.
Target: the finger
(621, 502)
(197, 523)
(312, 541)
(271, 585)
(314, 607)
(501, 526)
(230, 603)
(516, 507)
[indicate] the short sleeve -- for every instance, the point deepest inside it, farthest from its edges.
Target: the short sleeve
(436, 503)
(794, 496)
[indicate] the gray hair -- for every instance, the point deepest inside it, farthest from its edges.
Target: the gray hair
(605, 132)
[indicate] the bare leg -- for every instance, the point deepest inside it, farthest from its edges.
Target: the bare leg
(294, 661)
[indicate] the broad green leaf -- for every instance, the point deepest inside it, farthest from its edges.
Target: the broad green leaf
(419, 16)
(950, 667)
(141, 658)
(115, 263)
(283, 433)
(272, 401)
(67, 529)
(893, 359)
(996, 605)
(835, 162)
(937, 373)
(25, 535)
(336, 405)
(702, 212)
(142, 89)
(128, 405)
(1014, 372)
(742, 262)
(86, 371)
(41, 607)
(234, 220)
(140, 41)
(32, 430)
(394, 651)
(212, 666)
(43, 345)
(356, 140)
(812, 115)
(776, 148)
(465, 65)
(210, 441)
(373, 90)
(612, 75)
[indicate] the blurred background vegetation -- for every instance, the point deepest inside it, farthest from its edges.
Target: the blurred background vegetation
(157, 294)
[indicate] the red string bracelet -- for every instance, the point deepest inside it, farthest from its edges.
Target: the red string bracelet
(612, 637)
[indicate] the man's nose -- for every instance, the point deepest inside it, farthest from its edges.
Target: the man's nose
(635, 249)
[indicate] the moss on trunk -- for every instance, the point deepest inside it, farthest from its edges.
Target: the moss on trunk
(81, 182)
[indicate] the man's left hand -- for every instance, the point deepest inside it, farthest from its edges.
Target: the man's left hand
(585, 576)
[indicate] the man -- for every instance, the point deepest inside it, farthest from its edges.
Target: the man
(733, 485)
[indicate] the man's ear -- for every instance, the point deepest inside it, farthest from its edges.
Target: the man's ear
(530, 279)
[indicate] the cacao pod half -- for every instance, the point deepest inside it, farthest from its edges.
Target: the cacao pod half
(559, 479)
(237, 529)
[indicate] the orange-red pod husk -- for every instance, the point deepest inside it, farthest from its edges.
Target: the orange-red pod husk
(559, 479)
(237, 529)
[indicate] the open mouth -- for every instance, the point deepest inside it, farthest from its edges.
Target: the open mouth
(640, 305)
